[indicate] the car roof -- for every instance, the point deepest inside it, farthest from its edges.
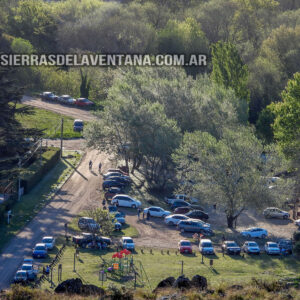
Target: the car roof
(271, 243)
(250, 242)
(181, 215)
(184, 241)
(40, 244)
(122, 195)
(230, 242)
(48, 237)
(29, 265)
(78, 120)
(155, 207)
(205, 241)
(126, 237)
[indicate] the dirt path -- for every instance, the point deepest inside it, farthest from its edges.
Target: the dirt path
(74, 112)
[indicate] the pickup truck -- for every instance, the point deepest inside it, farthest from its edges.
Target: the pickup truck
(182, 197)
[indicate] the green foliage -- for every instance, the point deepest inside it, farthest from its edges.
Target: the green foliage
(229, 69)
(22, 46)
(296, 236)
(40, 167)
(104, 218)
(85, 85)
(264, 125)
(287, 118)
(228, 171)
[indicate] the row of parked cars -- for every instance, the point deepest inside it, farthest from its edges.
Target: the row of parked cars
(116, 178)
(232, 248)
(66, 99)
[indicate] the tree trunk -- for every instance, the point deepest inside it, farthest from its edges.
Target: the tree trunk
(230, 221)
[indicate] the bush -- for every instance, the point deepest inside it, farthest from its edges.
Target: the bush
(296, 236)
(40, 167)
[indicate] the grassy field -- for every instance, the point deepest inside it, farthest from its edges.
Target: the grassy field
(50, 123)
(159, 265)
(32, 202)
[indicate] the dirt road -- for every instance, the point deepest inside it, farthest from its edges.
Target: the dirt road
(74, 112)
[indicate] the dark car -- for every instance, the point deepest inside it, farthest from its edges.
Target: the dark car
(112, 192)
(285, 246)
(112, 183)
(78, 125)
(180, 203)
(231, 247)
(182, 210)
(88, 223)
(83, 102)
(193, 226)
(197, 214)
(86, 238)
(49, 96)
(122, 179)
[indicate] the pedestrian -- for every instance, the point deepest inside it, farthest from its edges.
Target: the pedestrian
(103, 202)
(138, 213)
(148, 215)
(223, 238)
(144, 216)
(47, 270)
(215, 207)
(90, 165)
(100, 166)
(66, 229)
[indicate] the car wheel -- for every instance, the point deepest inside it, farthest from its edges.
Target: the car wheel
(163, 216)
(133, 206)
(263, 236)
(182, 230)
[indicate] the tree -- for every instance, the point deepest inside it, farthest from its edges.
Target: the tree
(229, 70)
(264, 125)
(287, 118)
(22, 46)
(104, 219)
(229, 171)
(85, 85)
(12, 135)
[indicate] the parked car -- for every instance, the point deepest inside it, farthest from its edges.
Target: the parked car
(112, 174)
(117, 225)
(193, 226)
(112, 183)
(112, 209)
(231, 247)
(127, 243)
(85, 223)
(206, 246)
(30, 270)
(272, 248)
(39, 251)
(185, 246)
(285, 246)
(251, 247)
(156, 211)
(175, 219)
(78, 125)
(180, 203)
(21, 277)
(125, 201)
(125, 180)
(117, 171)
(67, 99)
(182, 210)
(120, 218)
(182, 197)
(297, 222)
(85, 238)
(273, 212)
(49, 241)
(197, 214)
(49, 96)
(83, 102)
(255, 233)
(112, 192)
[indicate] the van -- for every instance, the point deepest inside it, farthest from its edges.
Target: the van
(78, 125)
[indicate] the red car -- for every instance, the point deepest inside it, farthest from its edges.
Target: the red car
(182, 210)
(83, 102)
(185, 246)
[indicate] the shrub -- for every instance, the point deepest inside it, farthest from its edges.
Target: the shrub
(40, 167)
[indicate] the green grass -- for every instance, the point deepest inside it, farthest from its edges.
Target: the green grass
(31, 203)
(230, 270)
(49, 122)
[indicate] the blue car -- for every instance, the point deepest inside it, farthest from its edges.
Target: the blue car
(118, 226)
(120, 218)
(39, 251)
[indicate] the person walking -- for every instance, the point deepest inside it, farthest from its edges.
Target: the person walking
(148, 215)
(138, 212)
(100, 166)
(90, 165)
(143, 215)
(103, 202)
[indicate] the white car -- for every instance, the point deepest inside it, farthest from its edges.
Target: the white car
(255, 232)
(49, 241)
(251, 247)
(125, 201)
(272, 248)
(297, 222)
(127, 243)
(174, 219)
(181, 197)
(274, 212)
(206, 246)
(156, 211)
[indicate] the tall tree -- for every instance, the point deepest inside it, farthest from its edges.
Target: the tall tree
(229, 171)
(229, 69)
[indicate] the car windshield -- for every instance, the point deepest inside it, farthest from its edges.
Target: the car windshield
(252, 244)
(20, 275)
(47, 240)
(39, 248)
(26, 268)
(78, 123)
(273, 245)
(231, 244)
(185, 244)
(128, 241)
(207, 244)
